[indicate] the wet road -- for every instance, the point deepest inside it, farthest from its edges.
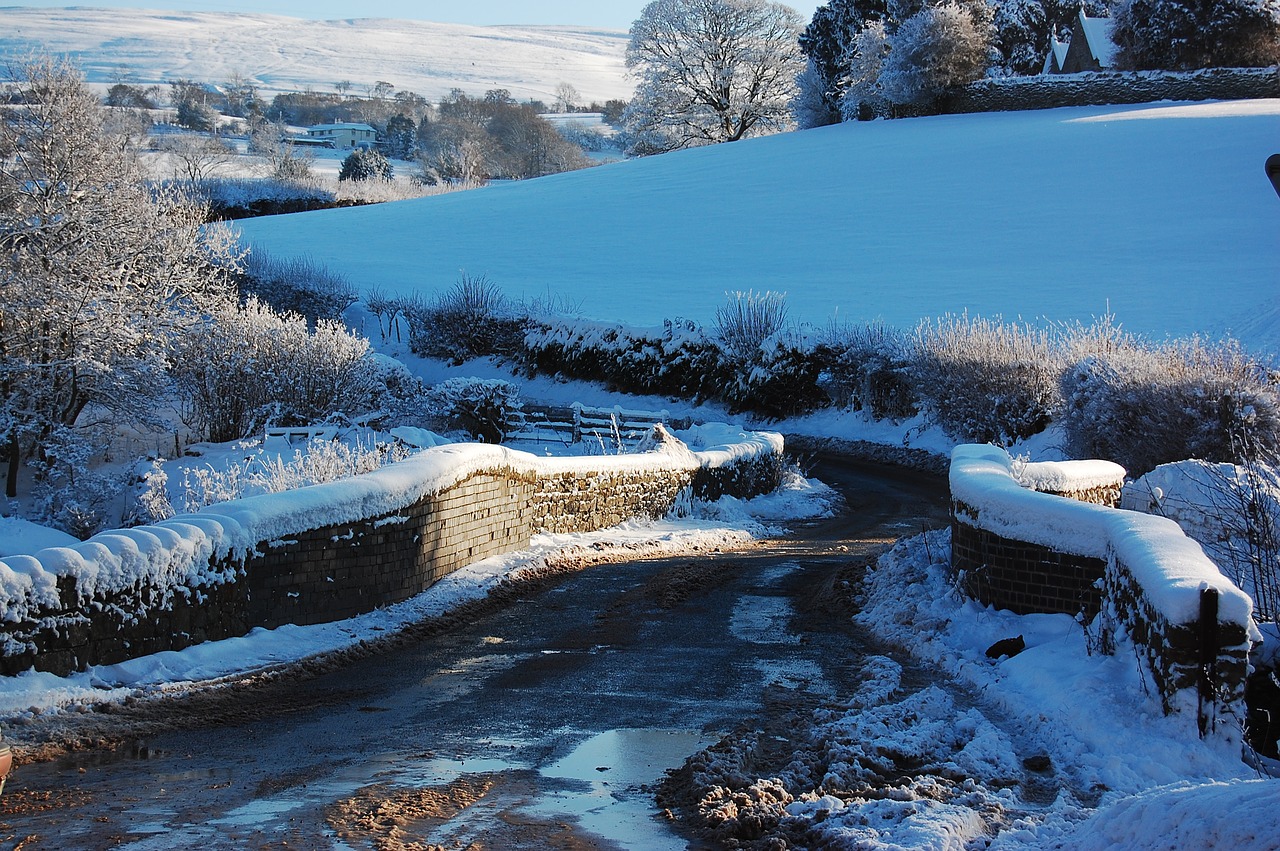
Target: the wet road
(543, 724)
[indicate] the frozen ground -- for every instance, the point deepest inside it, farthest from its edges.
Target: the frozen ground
(1160, 213)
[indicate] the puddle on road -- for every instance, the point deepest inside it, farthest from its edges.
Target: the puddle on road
(618, 768)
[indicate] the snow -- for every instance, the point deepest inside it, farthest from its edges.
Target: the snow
(22, 537)
(1169, 223)
(1157, 784)
(1170, 567)
(281, 54)
(1068, 476)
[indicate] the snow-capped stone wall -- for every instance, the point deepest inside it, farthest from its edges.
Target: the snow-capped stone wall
(1049, 91)
(332, 551)
(1028, 551)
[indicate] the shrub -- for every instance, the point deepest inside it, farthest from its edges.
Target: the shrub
(247, 366)
(365, 165)
(471, 319)
(322, 461)
(489, 409)
(747, 320)
(986, 381)
(297, 285)
(866, 368)
(1142, 405)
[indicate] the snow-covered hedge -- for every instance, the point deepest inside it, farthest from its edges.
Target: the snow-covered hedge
(1155, 576)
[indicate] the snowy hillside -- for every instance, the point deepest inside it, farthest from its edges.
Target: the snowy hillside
(1161, 213)
(290, 54)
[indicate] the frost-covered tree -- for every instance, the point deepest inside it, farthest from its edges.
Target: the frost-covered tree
(829, 43)
(711, 71)
(1190, 34)
(935, 49)
(245, 366)
(863, 97)
(98, 271)
(195, 156)
(363, 164)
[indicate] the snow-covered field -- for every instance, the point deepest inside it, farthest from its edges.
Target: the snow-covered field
(1160, 213)
(290, 54)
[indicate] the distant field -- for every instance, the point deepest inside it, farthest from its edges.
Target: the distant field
(290, 54)
(1161, 214)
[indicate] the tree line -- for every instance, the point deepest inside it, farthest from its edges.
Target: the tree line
(721, 70)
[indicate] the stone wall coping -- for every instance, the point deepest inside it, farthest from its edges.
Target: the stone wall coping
(1068, 476)
(192, 550)
(1171, 568)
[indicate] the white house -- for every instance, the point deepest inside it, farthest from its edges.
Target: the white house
(342, 136)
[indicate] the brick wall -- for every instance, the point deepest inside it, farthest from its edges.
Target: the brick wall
(339, 570)
(1022, 577)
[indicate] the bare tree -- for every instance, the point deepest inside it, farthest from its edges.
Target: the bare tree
(567, 97)
(711, 71)
(195, 156)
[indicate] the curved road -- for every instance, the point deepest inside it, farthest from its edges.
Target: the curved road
(543, 723)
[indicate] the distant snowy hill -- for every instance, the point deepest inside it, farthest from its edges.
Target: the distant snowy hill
(290, 54)
(1160, 213)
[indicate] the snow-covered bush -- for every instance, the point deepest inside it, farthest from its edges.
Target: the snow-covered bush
(321, 461)
(866, 368)
(70, 496)
(1142, 405)
(935, 49)
(680, 360)
(486, 408)
(297, 285)
(246, 366)
(471, 319)
(746, 320)
(984, 380)
(363, 164)
(1232, 510)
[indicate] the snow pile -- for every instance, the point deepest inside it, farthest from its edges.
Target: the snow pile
(1170, 568)
(1101, 726)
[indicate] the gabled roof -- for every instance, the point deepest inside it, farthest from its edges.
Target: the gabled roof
(1097, 33)
(1057, 55)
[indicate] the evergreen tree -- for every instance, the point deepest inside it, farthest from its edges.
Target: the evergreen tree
(1189, 34)
(363, 164)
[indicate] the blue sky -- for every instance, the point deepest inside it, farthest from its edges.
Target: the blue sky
(614, 14)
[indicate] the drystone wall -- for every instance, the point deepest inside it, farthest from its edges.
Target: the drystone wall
(333, 551)
(1048, 91)
(1030, 551)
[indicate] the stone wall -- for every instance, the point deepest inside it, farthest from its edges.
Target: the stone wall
(61, 614)
(1048, 91)
(1206, 658)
